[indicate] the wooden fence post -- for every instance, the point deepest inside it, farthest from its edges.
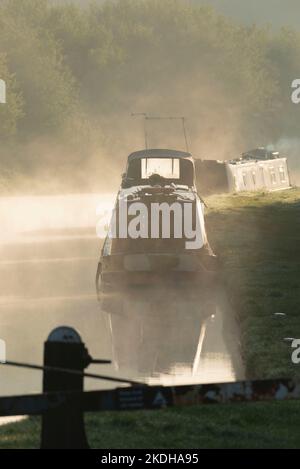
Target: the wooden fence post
(63, 427)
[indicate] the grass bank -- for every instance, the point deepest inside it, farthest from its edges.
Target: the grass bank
(258, 239)
(259, 425)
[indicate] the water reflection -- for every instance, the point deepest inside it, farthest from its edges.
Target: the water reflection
(49, 253)
(176, 338)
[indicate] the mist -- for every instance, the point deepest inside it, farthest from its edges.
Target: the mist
(74, 83)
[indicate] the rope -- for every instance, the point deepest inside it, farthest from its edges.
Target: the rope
(73, 372)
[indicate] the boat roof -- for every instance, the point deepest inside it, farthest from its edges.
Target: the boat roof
(159, 153)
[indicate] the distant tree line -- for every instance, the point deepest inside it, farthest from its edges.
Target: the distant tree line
(74, 75)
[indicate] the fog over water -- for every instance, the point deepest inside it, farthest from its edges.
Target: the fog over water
(49, 254)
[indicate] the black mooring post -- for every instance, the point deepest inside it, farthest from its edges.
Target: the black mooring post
(63, 427)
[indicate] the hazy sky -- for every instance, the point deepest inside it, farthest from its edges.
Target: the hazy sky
(276, 12)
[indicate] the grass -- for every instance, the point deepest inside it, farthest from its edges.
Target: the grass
(257, 425)
(258, 239)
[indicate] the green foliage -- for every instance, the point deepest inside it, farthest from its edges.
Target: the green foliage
(12, 111)
(92, 66)
(249, 425)
(35, 58)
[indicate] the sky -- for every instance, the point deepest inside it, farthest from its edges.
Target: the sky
(277, 13)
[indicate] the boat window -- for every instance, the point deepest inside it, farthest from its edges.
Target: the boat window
(169, 168)
(262, 173)
(282, 174)
(273, 175)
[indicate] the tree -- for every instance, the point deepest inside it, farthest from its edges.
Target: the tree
(12, 111)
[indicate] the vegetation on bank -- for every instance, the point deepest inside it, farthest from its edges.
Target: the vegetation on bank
(258, 239)
(257, 425)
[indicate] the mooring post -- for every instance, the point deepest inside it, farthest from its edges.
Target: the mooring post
(63, 427)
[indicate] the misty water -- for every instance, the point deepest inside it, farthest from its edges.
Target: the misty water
(49, 254)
